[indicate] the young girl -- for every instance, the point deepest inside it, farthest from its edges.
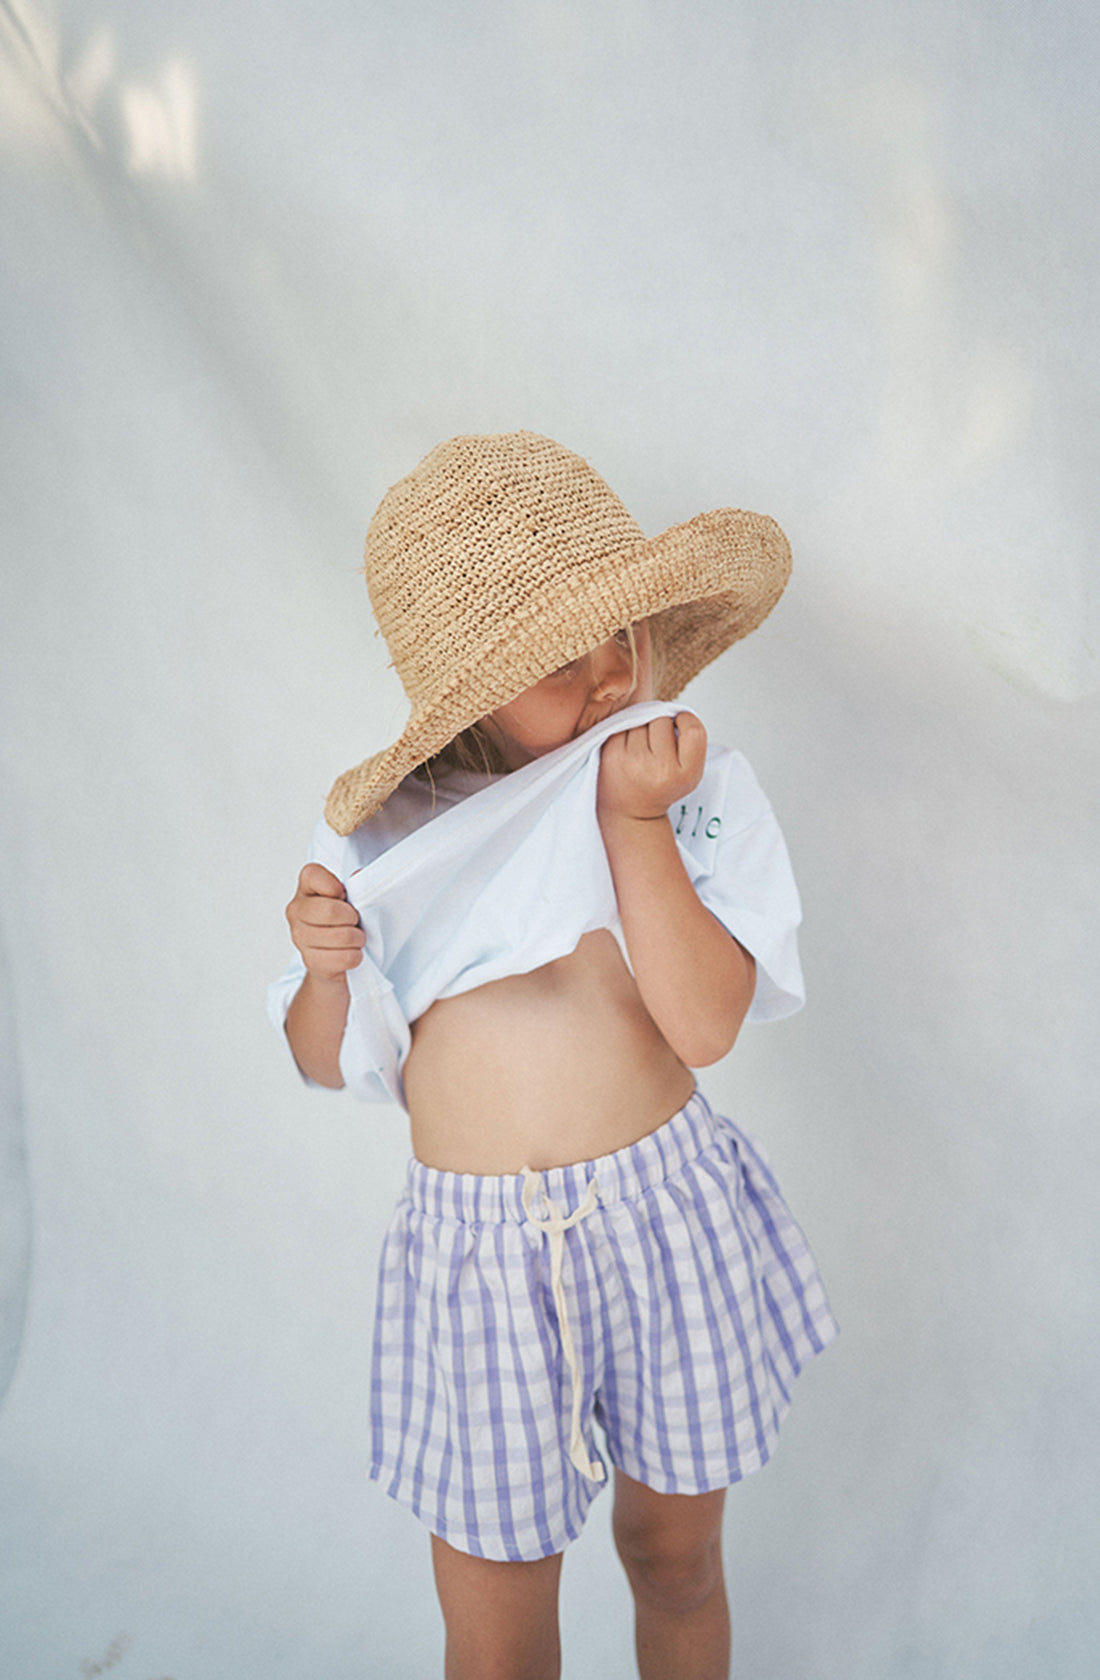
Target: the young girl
(526, 921)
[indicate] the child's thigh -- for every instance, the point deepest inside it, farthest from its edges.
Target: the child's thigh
(501, 1618)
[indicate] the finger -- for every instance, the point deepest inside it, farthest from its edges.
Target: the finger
(326, 934)
(318, 882)
(687, 724)
(661, 735)
(613, 754)
(336, 939)
(325, 912)
(621, 739)
(307, 915)
(691, 736)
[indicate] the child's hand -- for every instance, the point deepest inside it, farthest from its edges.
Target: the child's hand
(645, 770)
(324, 925)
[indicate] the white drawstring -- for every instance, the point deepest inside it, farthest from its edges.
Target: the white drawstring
(555, 1224)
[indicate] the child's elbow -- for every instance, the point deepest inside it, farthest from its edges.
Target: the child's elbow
(709, 1034)
(702, 1046)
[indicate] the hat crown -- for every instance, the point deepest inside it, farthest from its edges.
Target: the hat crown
(479, 537)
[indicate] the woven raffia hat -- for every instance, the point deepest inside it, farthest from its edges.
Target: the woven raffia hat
(499, 559)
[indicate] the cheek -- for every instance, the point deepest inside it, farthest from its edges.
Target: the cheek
(534, 724)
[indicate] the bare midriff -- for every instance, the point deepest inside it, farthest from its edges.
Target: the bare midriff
(538, 1070)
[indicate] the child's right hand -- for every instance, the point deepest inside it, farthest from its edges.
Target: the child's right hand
(646, 769)
(323, 925)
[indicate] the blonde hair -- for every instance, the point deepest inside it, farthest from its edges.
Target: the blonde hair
(471, 749)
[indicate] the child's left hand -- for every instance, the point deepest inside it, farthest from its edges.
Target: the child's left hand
(645, 770)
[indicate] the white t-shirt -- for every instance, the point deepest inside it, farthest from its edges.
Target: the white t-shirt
(486, 876)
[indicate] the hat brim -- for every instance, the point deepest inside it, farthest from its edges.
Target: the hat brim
(703, 584)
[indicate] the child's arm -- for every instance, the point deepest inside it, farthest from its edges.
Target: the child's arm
(695, 979)
(325, 928)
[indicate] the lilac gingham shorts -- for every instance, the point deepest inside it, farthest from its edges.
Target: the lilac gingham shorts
(664, 1292)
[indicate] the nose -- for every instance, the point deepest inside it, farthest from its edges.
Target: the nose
(612, 671)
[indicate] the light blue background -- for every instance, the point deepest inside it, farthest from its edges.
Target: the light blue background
(835, 262)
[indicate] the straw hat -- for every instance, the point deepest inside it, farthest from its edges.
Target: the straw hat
(501, 558)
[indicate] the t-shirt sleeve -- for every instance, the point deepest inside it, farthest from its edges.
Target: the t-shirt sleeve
(751, 889)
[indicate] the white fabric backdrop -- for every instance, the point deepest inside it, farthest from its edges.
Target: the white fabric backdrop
(833, 262)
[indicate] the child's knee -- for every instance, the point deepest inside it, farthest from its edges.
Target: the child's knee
(501, 1618)
(669, 1570)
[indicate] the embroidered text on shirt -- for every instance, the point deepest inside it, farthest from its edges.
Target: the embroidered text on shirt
(711, 829)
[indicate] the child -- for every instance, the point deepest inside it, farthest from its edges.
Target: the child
(526, 921)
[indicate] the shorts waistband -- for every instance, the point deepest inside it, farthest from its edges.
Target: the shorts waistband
(621, 1176)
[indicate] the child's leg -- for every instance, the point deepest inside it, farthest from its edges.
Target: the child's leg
(501, 1618)
(671, 1548)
